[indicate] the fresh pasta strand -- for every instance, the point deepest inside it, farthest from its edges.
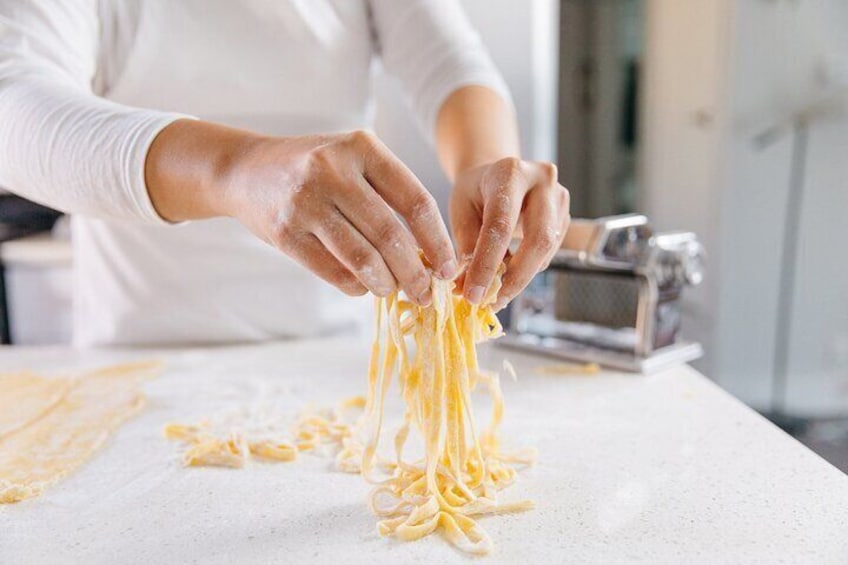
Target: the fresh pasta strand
(462, 470)
(432, 353)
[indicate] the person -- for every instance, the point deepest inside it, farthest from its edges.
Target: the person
(140, 117)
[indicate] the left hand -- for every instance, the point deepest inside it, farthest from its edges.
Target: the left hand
(489, 205)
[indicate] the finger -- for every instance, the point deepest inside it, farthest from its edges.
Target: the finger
(370, 214)
(402, 190)
(542, 225)
(356, 253)
(500, 217)
(312, 254)
(465, 222)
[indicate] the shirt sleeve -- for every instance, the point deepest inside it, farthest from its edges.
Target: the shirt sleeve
(432, 48)
(61, 145)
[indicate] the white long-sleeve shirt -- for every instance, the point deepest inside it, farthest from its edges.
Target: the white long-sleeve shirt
(86, 85)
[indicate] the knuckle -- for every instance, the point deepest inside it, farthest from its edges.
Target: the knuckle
(504, 178)
(500, 228)
(503, 203)
(423, 205)
(362, 261)
(510, 166)
(362, 138)
(300, 201)
(545, 241)
(320, 161)
(390, 234)
(548, 172)
(282, 234)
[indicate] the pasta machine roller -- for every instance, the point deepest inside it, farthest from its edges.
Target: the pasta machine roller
(612, 296)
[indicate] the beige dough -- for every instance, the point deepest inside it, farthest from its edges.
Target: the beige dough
(432, 352)
(211, 445)
(49, 427)
(463, 468)
(26, 397)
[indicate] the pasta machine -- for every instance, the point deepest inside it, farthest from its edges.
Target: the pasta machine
(612, 296)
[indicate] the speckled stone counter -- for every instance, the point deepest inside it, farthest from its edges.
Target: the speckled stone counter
(632, 469)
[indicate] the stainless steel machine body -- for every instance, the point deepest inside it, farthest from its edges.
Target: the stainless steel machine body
(612, 295)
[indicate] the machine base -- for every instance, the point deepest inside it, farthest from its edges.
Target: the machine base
(660, 359)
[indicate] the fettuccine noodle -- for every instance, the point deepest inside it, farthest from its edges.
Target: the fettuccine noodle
(461, 472)
(432, 352)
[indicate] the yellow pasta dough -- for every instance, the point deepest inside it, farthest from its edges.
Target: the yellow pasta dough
(26, 397)
(432, 352)
(569, 369)
(49, 427)
(461, 472)
(211, 444)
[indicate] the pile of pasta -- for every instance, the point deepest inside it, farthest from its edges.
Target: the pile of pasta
(228, 443)
(432, 352)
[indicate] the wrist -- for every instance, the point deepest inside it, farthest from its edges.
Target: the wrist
(475, 127)
(231, 162)
(480, 160)
(190, 166)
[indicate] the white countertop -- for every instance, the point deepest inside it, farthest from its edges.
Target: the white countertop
(632, 469)
(39, 250)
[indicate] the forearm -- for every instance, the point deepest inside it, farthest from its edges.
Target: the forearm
(496, 194)
(325, 200)
(189, 166)
(72, 151)
(475, 126)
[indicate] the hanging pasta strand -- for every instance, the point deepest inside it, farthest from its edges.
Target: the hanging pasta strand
(461, 471)
(432, 354)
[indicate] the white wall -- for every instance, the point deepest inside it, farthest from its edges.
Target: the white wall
(522, 39)
(720, 75)
(818, 347)
(682, 139)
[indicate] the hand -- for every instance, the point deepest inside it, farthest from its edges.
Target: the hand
(327, 202)
(492, 203)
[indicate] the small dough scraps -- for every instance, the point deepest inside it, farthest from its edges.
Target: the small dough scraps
(228, 443)
(50, 427)
(558, 369)
(432, 351)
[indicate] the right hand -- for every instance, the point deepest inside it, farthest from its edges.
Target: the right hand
(327, 200)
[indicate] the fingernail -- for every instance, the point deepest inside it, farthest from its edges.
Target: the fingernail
(501, 303)
(475, 294)
(448, 269)
(425, 298)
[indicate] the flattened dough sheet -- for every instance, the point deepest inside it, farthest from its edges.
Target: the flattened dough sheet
(26, 397)
(50, 427)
